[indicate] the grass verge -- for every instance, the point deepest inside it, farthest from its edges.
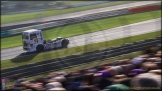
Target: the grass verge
(51, 12)
(77, 29)
(75, 50)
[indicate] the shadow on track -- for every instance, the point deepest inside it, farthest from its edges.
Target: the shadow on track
(24, 57)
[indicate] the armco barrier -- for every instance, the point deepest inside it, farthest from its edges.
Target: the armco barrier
(18, 26)
(64, 62)
(6, 33)
(75, 20)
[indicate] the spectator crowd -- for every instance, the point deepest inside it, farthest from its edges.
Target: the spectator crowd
(141, 73)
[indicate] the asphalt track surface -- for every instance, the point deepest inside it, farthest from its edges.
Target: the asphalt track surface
(105, 35)
(81, 13)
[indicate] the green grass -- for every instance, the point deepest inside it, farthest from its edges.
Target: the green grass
(75, 50)
(51, 12)
(77, 29)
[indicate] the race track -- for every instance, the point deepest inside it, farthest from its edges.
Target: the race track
(109, 34)
(81, 13)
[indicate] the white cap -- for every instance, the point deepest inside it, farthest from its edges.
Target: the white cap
(53, 85)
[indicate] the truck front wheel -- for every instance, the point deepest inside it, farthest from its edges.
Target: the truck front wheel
(40, 48)
(65, 43)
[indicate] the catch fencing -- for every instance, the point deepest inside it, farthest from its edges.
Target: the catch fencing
(85, 18)
(69, 61)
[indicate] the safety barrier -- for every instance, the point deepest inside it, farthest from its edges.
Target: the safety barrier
(83, 19)
(75, 20)
(69, 61)
(6, 33)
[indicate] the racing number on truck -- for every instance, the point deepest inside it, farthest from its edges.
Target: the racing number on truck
(53, 45)
(49, 46)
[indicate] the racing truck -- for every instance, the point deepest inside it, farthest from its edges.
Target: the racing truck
(33, 41)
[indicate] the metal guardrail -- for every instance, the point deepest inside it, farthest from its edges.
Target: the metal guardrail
(74, 20)
(62, 63)
(70, 21)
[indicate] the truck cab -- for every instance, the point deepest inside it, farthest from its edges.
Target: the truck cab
(33, 41)
(31, 38)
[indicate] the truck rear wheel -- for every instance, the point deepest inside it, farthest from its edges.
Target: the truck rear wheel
(65, 43)
(40, 48)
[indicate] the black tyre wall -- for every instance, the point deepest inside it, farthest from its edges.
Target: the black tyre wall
(65, 43)
(40, 48)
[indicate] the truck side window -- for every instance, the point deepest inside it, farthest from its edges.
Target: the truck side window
(24, 36)
(32, 36)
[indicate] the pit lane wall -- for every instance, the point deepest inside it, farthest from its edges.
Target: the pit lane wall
(73, 60)
(75, 20)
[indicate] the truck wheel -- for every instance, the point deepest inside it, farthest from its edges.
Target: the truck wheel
(40, 48)
(65, 43)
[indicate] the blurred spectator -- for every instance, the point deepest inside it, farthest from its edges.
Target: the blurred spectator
(140, 73)
(146, 82)
(117, 87)
(18, 78)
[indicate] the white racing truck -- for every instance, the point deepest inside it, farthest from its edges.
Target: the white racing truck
(33, 41)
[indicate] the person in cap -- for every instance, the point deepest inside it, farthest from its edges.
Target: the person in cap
(123, 62)
(53, 85)
(158, 54)
(116, 70)
(149, 66)
(120, 76)
(146, 82)
(137, 61)
(18, 79)
(37, 87)
(57, 89)
(126, 82)
(153, 59)
(117, 87)
(59, 79)
(100, 80)
(158, 71)
(118, 81)
(27, 90)
(127, 68)
(136, 71)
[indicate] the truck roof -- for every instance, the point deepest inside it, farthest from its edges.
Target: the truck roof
(31, 30)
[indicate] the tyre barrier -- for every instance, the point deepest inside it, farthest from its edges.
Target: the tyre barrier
(69, 61)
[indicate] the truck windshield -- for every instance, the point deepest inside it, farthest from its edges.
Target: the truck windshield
(33, 36)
